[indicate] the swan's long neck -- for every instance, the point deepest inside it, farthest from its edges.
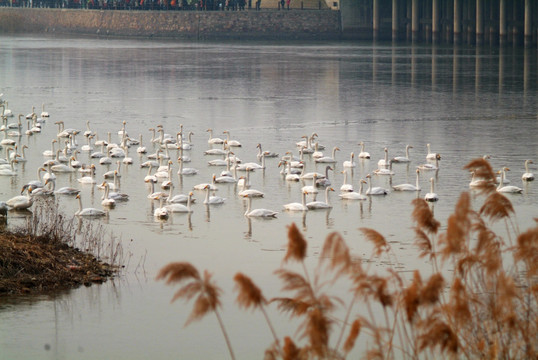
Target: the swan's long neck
(327, 172)
(360, 187)
(53, 186)
(501, 182)
(526, 166)
(327, 195)
(369, 184)
(189, 202)
(303, 199)
(431, 186)
(345, 177)
(249, 204)
(417, 181)
(386, 156)
(170, 189)
(79, 205)
(207, 194)
(334, 153)
(263, 161)
(407, 151)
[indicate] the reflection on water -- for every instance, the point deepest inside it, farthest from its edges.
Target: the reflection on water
(465, 101)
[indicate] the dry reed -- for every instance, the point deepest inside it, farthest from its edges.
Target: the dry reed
(480, 301)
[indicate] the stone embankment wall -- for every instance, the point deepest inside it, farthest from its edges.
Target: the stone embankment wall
(269, 24)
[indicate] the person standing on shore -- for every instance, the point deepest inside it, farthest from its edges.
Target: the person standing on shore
(288, 4)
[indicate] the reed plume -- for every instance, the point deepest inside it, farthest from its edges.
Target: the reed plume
(296, 245)
(207, 293)
(480, 303)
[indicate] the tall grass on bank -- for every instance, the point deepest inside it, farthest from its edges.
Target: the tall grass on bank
(48, 223)
(53, 252)
(480, 300)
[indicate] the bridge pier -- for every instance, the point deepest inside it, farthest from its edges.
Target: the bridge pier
(472, 21)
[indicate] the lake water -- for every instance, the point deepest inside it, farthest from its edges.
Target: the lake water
(465, 101)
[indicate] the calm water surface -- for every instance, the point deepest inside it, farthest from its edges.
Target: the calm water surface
(464, 101)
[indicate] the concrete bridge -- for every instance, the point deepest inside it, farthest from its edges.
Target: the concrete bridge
(470, 21)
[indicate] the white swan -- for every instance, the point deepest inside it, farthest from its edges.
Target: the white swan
(106, 200)
(202, 186)
(141, 149)
(155, 194)
(350, 163)
(177, 199)
(313, 205)
(324, 181)
(244, 181)
(355, 195)
(180, 208)
(527, 176)
(88, 211)
(251, 193)
(268, 154)
(328, 159)
(430, 155)
(252, 165)
(231, 142)
(508, 188)
(311, 189)
(375, 190)
(185, 171)
(20, 202)
(61, 191)
(161, 212)
(290, 176)
(7, 112)
(384, 171)
(385, 161)
(9, 171)
(43, 112)
(409, 187)
(295, 206)
(363, 154)
(213, 140)
(90, 179)
(346, 187)
(265, 213)
(317, 153)
(429, 166)
(431, 196)
(476, 182)
(403, 159)
(212, 200)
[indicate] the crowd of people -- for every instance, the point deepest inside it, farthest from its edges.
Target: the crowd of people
(208, 5)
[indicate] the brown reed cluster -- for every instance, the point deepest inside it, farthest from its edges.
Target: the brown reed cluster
(479, 302)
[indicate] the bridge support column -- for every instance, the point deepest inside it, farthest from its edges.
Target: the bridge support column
(414, 20)
(395, 24)
(502, 21)
(457, 21)
(479, 22)
(376, 19)
(528, 23)
(436, 30)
